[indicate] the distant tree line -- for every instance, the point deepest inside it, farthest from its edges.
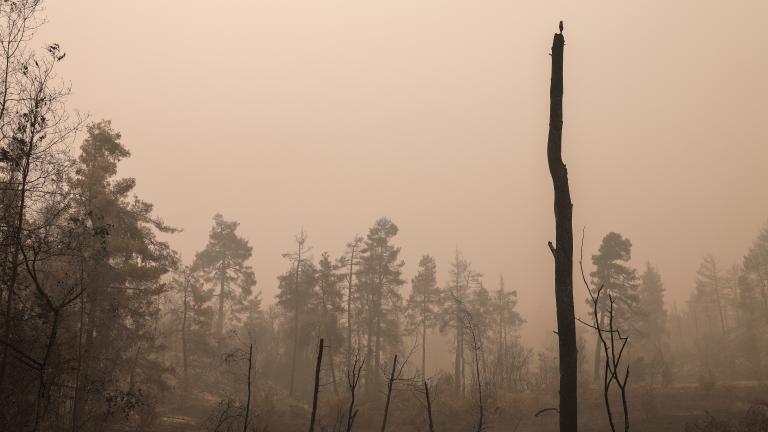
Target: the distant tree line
(103, 327)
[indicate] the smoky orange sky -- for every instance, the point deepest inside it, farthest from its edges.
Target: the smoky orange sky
(329, 114)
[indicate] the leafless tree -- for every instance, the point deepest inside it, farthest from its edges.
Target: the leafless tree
(562, 251)
(353, 380)
(317, 385)
(476, 349)
(429, 407)
(248, 399)
(390, 382)
(34, 127)
(614, 345)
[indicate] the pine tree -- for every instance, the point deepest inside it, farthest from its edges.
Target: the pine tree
(422, 306)
(461, 280)
(379, 278)
(616, 281)
(507, 321)
(653, 320)
(125, 264)
(223, 264)
(708, 295)
(753, 304)
(194, 318)
(756, 265)
(751, 326)
(295, 295)
(329, 306)
(348, 263)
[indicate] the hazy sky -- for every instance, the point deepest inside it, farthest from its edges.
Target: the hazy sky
(329, 114)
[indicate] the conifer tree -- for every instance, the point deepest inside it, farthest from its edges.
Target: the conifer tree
(379, 278)
(328, 307)
(756, 266)
(223, 263)
(506, 322)
(708, 295)
(462, 279)
(295, 295)
(617, 281)
(653, 320)
(125, 263)
(422, 306)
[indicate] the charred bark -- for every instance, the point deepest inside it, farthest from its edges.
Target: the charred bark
(563, 248)
(317, 385)
(429, 407)
(248, 400)
(389, 394)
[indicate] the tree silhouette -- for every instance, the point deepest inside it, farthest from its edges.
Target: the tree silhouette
(223, 263)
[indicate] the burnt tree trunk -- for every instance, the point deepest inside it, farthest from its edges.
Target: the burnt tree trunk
(563, 248)
(317, 385)
(429, 407)
(248, 400)
(389, 394)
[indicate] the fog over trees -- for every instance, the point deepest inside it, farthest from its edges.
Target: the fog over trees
(106, 324)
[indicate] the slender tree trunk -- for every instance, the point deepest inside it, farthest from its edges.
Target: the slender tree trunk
(317, 386)
(377, 328)
(501, 376)
(79, 365)
(462, 375)
(41, 385)
(353, 380)
(295, 326)
(184, 354)
(7, 331)
(481, 417)
(458, 355)
(295, 352)
(332, 365)
(369, 372)
(248, 399)
(377, 347)
(423, 348)
(389, 394)
(429, 407)
(350, 277)
(86, 361)
(91, 320)
(598, 350)
(563, 249)
(349, 320)
(606, 394)
(220, 317)
(15, 257)
(719, 303)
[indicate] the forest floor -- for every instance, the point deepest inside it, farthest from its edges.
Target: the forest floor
(726, 408)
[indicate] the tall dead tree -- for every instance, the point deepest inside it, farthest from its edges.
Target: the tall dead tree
(429, 407)
(248, 400)
(317, 385)
(353, 379)
(389, 394)
(562, 251)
